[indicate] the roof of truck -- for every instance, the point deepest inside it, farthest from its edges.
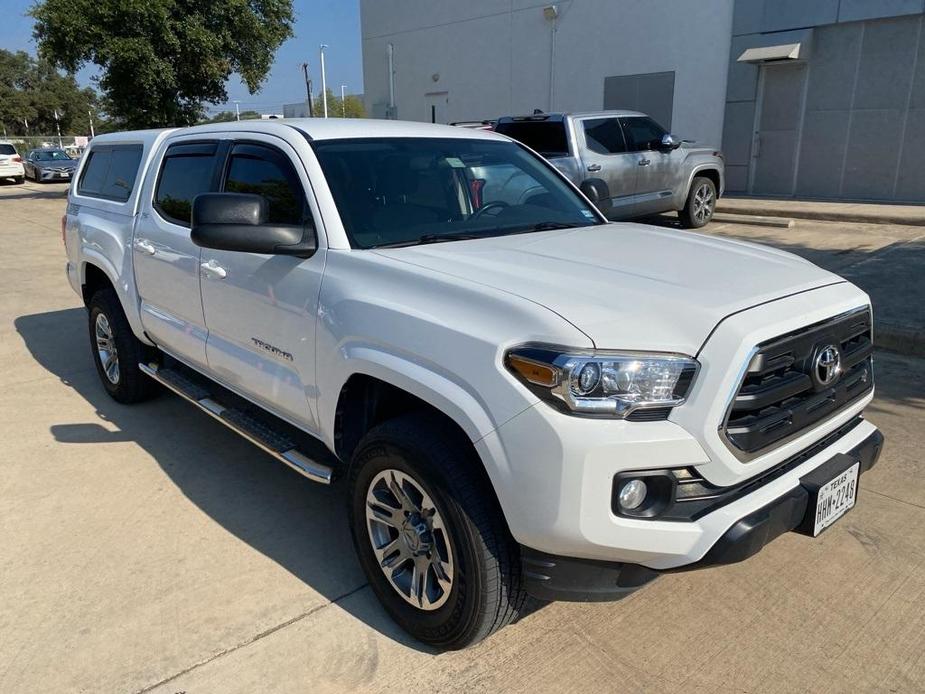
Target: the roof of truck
(541, 117)
(315, 128)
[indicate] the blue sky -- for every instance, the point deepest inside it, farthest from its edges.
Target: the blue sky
(334, 22)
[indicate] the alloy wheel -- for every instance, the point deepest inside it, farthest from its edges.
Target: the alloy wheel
(106, 348)
(409, 539)
(704, 200)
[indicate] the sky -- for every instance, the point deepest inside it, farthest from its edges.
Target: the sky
(333, 22)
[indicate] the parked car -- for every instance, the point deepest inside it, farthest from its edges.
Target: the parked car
(625, 162)
(49, 164)
(10, 163)
(521, 398)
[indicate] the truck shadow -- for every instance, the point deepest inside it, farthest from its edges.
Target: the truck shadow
(298, 524)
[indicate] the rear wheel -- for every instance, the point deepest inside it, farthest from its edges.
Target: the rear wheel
(116, 351)
(430, 535)
(701, 202)
(18, 179)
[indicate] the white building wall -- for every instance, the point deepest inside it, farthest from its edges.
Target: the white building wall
(485, 58)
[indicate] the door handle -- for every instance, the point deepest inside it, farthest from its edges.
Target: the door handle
(214, 270)
(594, 167)
(145, 246)
(644, 162)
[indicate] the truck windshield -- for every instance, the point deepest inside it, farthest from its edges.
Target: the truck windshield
(408, 191)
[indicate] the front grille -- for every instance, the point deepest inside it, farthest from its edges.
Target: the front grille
(782, 393)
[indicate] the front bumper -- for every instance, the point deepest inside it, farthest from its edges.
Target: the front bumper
(550, 577)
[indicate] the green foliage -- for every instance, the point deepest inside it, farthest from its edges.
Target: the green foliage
(32, 90)
(353, 104)
(161, 60)
(228, 116)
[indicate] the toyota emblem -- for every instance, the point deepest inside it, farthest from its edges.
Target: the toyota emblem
(827, 365)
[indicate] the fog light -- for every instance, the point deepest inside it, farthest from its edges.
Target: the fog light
(632, 494)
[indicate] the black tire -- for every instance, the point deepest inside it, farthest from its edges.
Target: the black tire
(18, 179)
(486, 592)
(130, 384)
(691, 216)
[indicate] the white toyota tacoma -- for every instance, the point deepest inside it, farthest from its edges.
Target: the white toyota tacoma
(522, 398)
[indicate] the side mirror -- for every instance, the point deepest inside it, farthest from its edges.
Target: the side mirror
(238, 222)
(669, 142)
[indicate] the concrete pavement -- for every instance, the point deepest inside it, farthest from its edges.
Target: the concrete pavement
(148, 549)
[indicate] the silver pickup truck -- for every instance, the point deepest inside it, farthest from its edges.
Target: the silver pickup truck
(625, 162)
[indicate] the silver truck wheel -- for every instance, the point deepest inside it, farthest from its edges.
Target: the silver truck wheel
(429, 533)
(116, 351)
(106, 348)
(701, 203)
(409, 539)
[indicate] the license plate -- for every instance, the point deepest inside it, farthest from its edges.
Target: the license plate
(835, 498)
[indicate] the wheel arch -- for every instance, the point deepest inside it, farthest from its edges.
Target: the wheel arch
(97, 272)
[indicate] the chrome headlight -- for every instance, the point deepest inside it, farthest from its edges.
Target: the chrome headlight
(605, 383)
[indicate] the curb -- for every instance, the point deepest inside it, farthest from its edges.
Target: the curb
(753, 220)
(899, 338)
(824, 215)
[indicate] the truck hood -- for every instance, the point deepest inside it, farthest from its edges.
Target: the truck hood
(627, 286)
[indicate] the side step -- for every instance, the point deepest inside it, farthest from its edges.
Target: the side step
(257, 432)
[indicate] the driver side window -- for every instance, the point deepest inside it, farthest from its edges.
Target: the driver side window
(267, 172)
(642, 133)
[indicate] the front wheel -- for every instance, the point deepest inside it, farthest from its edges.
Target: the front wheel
(429, 534)
(701, 202)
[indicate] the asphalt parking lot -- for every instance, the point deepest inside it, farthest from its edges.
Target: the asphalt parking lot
(147, 548)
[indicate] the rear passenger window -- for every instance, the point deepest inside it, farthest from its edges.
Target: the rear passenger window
(110, 172)
(604, 136)
(267, 172)
(187, 170)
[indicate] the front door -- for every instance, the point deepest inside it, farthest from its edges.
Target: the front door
(260, 309)
(166, 260)
(655, 168)
(607, 164)
(777, 129)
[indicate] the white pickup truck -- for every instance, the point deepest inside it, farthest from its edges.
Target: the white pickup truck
(523, 398)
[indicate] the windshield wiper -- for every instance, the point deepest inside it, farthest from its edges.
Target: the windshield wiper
(549, 226)
(432, 238)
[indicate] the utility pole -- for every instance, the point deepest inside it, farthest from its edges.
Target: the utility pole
(90, 114)
(237, 109)
(58, 128)
(391, 54)
(308, 90)
(324, 83)
(343, 104)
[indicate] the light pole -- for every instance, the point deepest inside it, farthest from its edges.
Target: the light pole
(237, 109)
(308, 90)
(58, 128)
(90, 114)
(324, 83)
(343, 104)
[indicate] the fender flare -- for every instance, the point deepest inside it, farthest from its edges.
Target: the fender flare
(690, 181)
(437, 389)
(89, 256)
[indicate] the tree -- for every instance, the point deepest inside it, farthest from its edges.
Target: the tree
(354, 104)
(161, 60)
(33, 90)
(228, 116)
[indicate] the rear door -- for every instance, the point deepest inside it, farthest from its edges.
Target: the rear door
(655, 169)
(260, 309)
(166, 260)
(605, 158)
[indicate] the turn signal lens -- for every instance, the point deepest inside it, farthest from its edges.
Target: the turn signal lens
(534, 372)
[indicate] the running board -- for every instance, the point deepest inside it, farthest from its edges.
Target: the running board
(255, 431)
